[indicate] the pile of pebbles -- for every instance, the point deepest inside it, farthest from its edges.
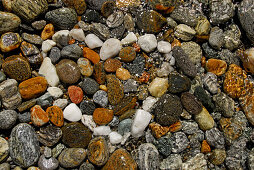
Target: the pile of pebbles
(126, 84)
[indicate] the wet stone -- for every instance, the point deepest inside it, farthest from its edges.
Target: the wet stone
(89, 86)
(72, 51)
(8, 119)
(215, 138)
(32, 38)
(111, 65)
(101, 98)
(102, 31)
(164, 146)
(32, 53)
(9, 22)
(224, 104)
(91, 16)
(85, 67)
(178, 83)
(190, 103)
(115, 19)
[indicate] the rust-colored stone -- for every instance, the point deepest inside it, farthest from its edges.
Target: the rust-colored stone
(175, 127)
(205, 147)
(216, 66)
(127, 103)
(102, 116)
(99, 73)
(78, 5)
(144, 78)
(231, 129)
(91, 55)
(38, 116)
(55, 115)
(158, 130)
(127, 54)
(175, 43)
(47, 32)
(111, 65)
(123, 74)
(76, 94)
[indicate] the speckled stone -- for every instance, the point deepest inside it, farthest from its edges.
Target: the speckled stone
(204, 120)
(191, 103)
(32, 53)
(87, 107)
(54, 54)
(55, 115)
(68, 71)
(48, 163)
(9, 41)
(72, 157)
(72, 51)
(4, 149)
(86, 166)
(98, 151)
(99, 73)
(111, 65)
(24, 145)
(7, 119)
(49, 135)
(89, 86)
(196, 162)
(85, 67)
(9, 22)
(101, 98)
(179, 142)
(115, 89)
(127, 54)
(178, 83)
(24, 117)
(217, 156)
(76, 135)
(127, 103)
(32, 38)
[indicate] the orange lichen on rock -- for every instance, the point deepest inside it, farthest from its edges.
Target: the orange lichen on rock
(47, 32)
(38, 116)
(55, 115)
(158, 130)
(216, 66)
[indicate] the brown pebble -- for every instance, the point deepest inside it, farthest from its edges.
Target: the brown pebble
(111, 65)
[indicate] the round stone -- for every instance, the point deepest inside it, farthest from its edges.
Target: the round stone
(101, 98)
(204, 120)
(89, 86)
(72, 51)
(123, 74)
(75, 94)
(38, 116)
(49, 135)
(10, 41)
(127, 54)
(158, 87)
(72, 113)
(110, 48)
(48, 163)
(11, 22)
(68, 71)
(72, 157)
(111, 65)
(85, 67)
(102, 116)
(115, 19)
(8, 119)
(87, 107)
(191, 104)
(55, 115)
(178, 83)
(76, 135)
(4, 149)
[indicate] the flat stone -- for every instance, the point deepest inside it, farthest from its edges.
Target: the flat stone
(184, 32)
(32, 53)
(32, 38)
(49, 135)
(102, 116)
(9, 22)
(72, 157)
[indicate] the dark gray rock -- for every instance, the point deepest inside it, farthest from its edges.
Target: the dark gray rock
(180, 142)
(229, 57)
(87, 107)
(203, 96)
(39, 25)
(189, 128)
(91, 16)
(209, 52)
(24, 117)
(164, 146)
(130, 86)
(45, 100)
(32, 38)
(89, 86)
(178, 83)
(101, 98)
(216, 38)
(118, 32)
(8, 119)
(72, 51)
(137, 66)
(224, 104)
(95, 4)
(125, 126)
(55, 54)
(24, 145)
(48, 164)
(62, 18)
(191, 103)
(215, 138)
(49, 135)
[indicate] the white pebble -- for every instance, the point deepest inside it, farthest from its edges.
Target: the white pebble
(55, 92)
(129, 39)
(48, 70)
(158, 86)
(47, 45)
(78, 34)
(148, 103)
(165, 69)
(140, 122)
(72, 113)
(87, 120)
(110, 48)
(101, 130)
(115, 138)
(125, 137)
(92, 41)
(62, 33)
(62, 103)
(164, 47)
(147, 42)
(172, 61)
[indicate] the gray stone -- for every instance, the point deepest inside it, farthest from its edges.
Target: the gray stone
(217, 156)
(172, 162)
(193, 50)
(203, 26)
(45, 100)
(55, 54)
(229, 57)
(210, 82)
(91, 16)
(180, 142)
(129, 23)
(8, 22)
(48, 164)
(5, 166)
(8, 119)
(118, 32)
(24, 117)
(232, 37)
(216, 38)
(189, 128)
(49, 135)
(4, 149)
(224, 104)
(114, 122)
(72, 51)
(171, 22)
(47, 152)
(32, 38)
(251, 159)
(87, 107)
(130, 86)
(101, 98)
(57, 150)
(39, 25)
(24, 145)
(215, 138)
(164, 146)
(72, 157)
(125, 126)
(89, 86)
(204, 97)
(95, 4)
(197, 162)
(184, 32)
(100, 30)
(2, 76)
(209, 52)
(62, 18)
(115, 20)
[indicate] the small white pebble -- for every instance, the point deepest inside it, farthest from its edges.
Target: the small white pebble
(62, 103)
(115, 138)
(164, 47)
(101, 130)
(148, 103)
(72, 113)
(78, 34)
(55, 92)
(147, 42)
(110, 48)
(87, 120)
(47, 45)
(92, 41)
(129, 39)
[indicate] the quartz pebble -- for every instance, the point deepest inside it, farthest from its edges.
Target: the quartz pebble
(102, 130)
(72, 113)
(129, 39)
(55, 92)
(87, 120)
(77, 34)
(147, 42)
(47, 45)
(110, 48)
(164, 47)
(158, 87)
(115, 138)
(93, 41)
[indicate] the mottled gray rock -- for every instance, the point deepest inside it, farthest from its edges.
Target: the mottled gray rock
(55, 54)
(87, 107)
(86, 166)
(215, 138)
(224, 104)
(101, 98)
(72, 157)
(189, 128)
(39, 25)
(180, 142)
(172, 162)
(8, 22)
(62, 18)
(209, 52)
(232, 37)
(210, 82)
(251, 159)
(72, 51)
(47, 164)
(8, 119)
(32, 38)
(130, 86)
(24, 145)
(89, 86)
(125, 126)
(95, 4)
(216, 38)
(102, 31)
(24, 117)
(57, 150)
(217, 156)
(45, 100)
(164, 145)
(47, 152)
(114, 122)
(193, 50)
(115, 19)
(197, 162)
(49, 135)
(229, 57)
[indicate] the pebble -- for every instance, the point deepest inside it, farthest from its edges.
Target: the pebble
(130, 86)
(203, 26)
(111, 65)
(85, 67)
(32, 38)
(216, 38)
(124, 126)
(127, 54)
(62, 38)
(47, 45)
(54, 54)
(38, 116)
(164, 47)
(2, 77)
(87, 107)
(5, 166)
(48, 164)
(87, 120)
(91, 16)
(68, 71)
(250, 159)
(4, 149)
(191, 103)
(165, 69)
(102, 116)
(193, 50)
(196, 162)
(32, 53)
(102, 130)
(123, 74)
(115, 19)
(184, 32)
(24, 117)
(147, 42)
(110, 48)
(86, 166)
(204, 120)
(77, 131)
(218, 67)
(62, 18)
(232, 37)
(168, 110)
(210, 82)
(127, 103)
(140, 122)
(203, 96)
(115, 89)
(49, 135)
(8, 119)
(72, 51)
(98, 151)
(183, 62)
(108, 8)
(62, 103)
(164, 146)
(92, 41)
(72, 157)
(77, 34)
(55, 115)
(129, 25)
(20, 154)
(45, 100)
(148, 103)
(173, 161)
(129, 39)
(75, 94)
(39, 25)
(10, 41)
(101, 98)
(120, 159)
(115, 138)
(179, 142)
(55, 92)
(28, 10)
(11, 22)
(48, 31)
(158, 86)
(224, 104)
(100, 30)
(79, 6)
(178, 83)
(89, 86)
(217, 156)
(137, 66)
(72, 113)
(215, 138)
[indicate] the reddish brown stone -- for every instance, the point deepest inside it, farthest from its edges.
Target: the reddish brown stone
(123, 74)
(175, 127)
(99, 73)
(111, 65)
(76, 94)
(38, 116)
(55, 115)
(127, 54)
(127, 103)
(91, 55)
(47, 32)
(102, 116)
(205, 147)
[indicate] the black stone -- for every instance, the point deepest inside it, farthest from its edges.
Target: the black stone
(87, 107)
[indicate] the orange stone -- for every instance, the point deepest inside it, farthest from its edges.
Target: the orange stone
(175, 43)
(127, 3)
(216, 66)
(91, 55)
(38, 116)
(144, 78)
(47, 32)
(158, 130)
(136, 47)
(55, 115)
(247, 58)
(104, 88)
(203, 61)
(76, 94)
(247, 103)
(175, 127)
(123, 74)
(33, 87)
(102, 116)
(120, 160)
(205, 147)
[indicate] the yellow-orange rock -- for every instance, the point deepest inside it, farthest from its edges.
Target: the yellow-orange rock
(47, 32)
(102, 116)
(91, 55)
(247, 103)
(216, 66)
(123, 74)
(33, 87)
(38, 116)
(175, 127)
(55, 115)
(120, 160)
(127, 3)
(205, 147)
(158, 130)
(175, 43)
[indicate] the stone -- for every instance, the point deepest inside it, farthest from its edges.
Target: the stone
(100, 30)
(76, 135)
(140, 122)
(108, 8)
(72, 113)
(115, 19)
(9, 22)
(204, 120)
(54, 54)
(210, 82)
(9, 41)
(191, 103)
(79, 6)
(4, 149)
(168, 110)
(178, 83)
(179, 142)
(115, 138)
(72, 51)
(62, 103)
(38, 116)
(68, 71)
(111, 65)
(55, 92)
(87, 120)
(2, 77)
(32, 38)
(62, 18)
(72, 157)
(39, 25)
(33, 87)
(98, 151)
(5, 166)
(62, 38)
(217, 156)
(150, 21)
(91, 55)
(102, 116)
(89, 86)
(85, 67)
(115, 90)
(224, 104)
(203, 26)
(101, 98)
(32, 53)
(48, 163)
(55, 115)
(29, 10)
(232, 37)
(216, 38)
(203, 96)
(148, 103)
(124, 126)
(75, 94)
(215, 138)
(137, 67)
(130, 86)
(123, 74)
(250, 159)
(8, 119)
(127, 103)
(129, 39)
(193, 50)
(184, 32)
(92, 41)
(49, 135)
(120, 159)
(173, 161)
(110, 48)
(164, 146)
(102, 130)
(218, 67)
(47, 45)
(86, 166)
(189, 127)
(196, 162)
(91, 16)
(127, 54)
(147, 42)
(48, 31)
(48, 70)
(164, 47)
(45, 100)
(24, 151)
(158, 87)
(158, 131)
(165, 69)
(24, 117)
(205, 147)
(87, 107)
